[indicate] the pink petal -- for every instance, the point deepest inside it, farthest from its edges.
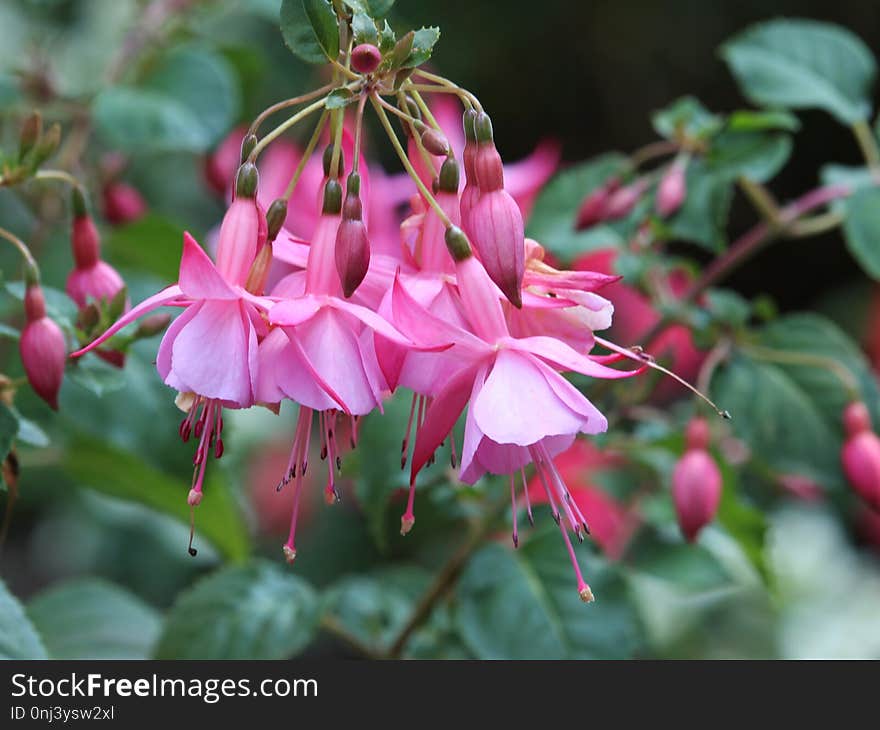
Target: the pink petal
(210, 353)
(560, 355)
(292, 312)
(290, 250)
(199, 278)
(594, 421)
(518, 406)
(166, 297)
(375, 322)
(163, 357)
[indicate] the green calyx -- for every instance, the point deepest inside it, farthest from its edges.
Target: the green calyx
(457, 243)
(246, 180)
(275, 217)
(327, 159)
(468, 120)
(78, 202)
(247, 146)
(353, 184)
(332, 198)
(448, 179)
(483, 127)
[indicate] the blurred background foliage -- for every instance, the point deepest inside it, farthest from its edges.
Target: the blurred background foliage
(96, 548)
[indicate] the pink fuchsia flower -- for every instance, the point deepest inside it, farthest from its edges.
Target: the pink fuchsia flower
(672, 189)
(696, 482)
(592, 210)
(42, 348)
(209, 353)
(520, 410)
(612, 525)
(123, 203)
(861, 454)
(622, 201)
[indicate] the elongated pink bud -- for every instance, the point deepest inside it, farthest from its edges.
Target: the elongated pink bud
(622, 201)
(352, 244)
(92, 279)
(365, 58)
(85, 242)
(696, 482)
(241, 230)
(497, 234)
(861, 454)
(592, 210)
(471, 192)
(42, 347)
(123, 203)
(672, 189)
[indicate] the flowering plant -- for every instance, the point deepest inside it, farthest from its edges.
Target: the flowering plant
(433, 337)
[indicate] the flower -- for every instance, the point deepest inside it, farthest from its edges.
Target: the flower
(672, 189)
(123, 203)
(92, 279)
(42, 348)
(696, 482)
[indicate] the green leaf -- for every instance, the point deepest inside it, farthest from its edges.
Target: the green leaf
(702, 218)
(364, 29)
(854, 177)
(686, 118)
(423, 44)
(778, 419)
(186, 104)
(375, 608)
(324, 25)
(747, 120)
(8, 430)
(758, 156)
(387, 39)
(18, 637)
(523, 604)
(93, 619)
(380, 8)
(256, 611)
(296, 29)
(150, 244)
(339, 98)
(552, 220)
(861, 229)
(744, 522)
(96, 376)
(124, 475)
(692, 568)
(801, 64)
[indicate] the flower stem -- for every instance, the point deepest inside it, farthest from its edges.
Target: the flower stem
(443, 82)
(269, 111)
(23, 250)
(60, 175)
(358, 132)
(867, 143)
(307, 153)
(284, 126)
(426, 111)
(401, 153)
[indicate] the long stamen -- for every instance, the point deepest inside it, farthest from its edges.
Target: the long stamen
(639, 355)
(525, 485)
(513, 505)
(583, 589)
(549, 492)
(405, 445)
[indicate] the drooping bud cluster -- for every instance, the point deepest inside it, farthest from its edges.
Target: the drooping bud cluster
(696, 482)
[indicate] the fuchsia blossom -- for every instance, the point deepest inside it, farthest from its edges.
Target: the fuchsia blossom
(696, 482)
(861, 454)
(42, 347)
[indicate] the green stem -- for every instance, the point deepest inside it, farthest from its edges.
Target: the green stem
(59, 175)
(867, 143)
(284, 126)
(269, 111)
(426, 110)
(337, 118)
(358, 132)
(401, 153)
(455, 88)
(22, 249)
(307, 153)
(761, 199)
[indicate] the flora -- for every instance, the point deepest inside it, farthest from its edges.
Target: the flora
(481, 341)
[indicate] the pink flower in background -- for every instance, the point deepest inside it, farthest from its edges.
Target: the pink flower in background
(123, 203)
(861, 454)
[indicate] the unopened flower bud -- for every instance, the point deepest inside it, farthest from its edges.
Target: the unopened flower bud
(435, 142)
(42, 347)
(365, 58)
(46, 146)
(672, 189)
(696, 483)
(497, 233)
(471, 192)
(246, 181)
(861, 454)
(352, 245)
(275, 217)
(592, 210)
(123, 203)
(622, 201)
